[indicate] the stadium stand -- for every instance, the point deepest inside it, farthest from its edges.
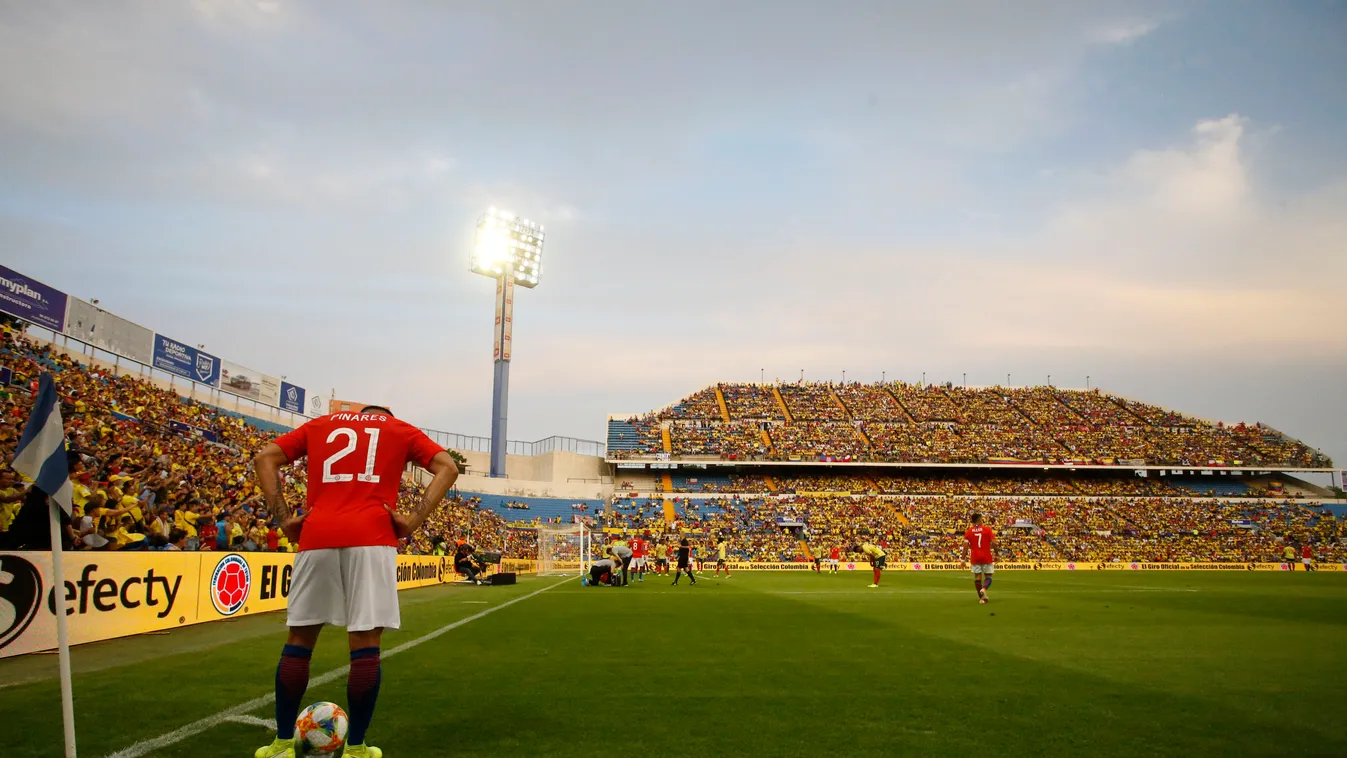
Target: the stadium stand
(906, 423)
(153, 466)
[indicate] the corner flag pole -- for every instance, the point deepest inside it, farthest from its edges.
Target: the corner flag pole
(62, 633)
(41, 456)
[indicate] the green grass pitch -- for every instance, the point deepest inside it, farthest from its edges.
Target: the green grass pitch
(768, 664)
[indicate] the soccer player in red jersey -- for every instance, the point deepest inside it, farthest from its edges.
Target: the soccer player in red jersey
(981, 540)
(834, 558)
(1307, 556)
(639, 549)
(346, 569)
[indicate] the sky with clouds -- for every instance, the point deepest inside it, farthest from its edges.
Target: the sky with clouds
(1153, 195)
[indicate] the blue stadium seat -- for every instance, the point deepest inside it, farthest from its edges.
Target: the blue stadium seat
(538, 507)
(622, 435)
(1213, 486)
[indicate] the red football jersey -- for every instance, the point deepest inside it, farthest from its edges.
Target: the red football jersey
(835, 554)
(1306, 551)
(355, 467)
(980, 544)
(638, 548)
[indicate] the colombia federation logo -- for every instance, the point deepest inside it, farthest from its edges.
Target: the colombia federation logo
(20, 597)
(229, 584)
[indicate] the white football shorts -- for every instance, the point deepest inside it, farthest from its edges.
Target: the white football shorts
(637, 563)
(354, 587)
(1307, 561)
(984, 568)
(833, 561)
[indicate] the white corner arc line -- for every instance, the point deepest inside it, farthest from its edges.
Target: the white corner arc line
(145, 747)
(253, 721)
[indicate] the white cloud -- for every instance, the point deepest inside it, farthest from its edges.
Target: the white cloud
(1122, 32)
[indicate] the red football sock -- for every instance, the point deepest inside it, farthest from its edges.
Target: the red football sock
(978, 583)
(876, 576)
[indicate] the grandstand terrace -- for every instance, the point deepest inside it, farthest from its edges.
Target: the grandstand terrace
(905, 424)
(754, 479)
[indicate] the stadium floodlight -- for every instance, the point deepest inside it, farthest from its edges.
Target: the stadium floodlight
(508, 249)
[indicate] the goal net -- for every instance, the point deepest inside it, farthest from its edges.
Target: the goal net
(564, 550)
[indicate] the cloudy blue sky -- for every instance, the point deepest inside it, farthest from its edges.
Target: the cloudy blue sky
(1150, 194)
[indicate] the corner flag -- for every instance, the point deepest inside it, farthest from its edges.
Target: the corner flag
(41, 455)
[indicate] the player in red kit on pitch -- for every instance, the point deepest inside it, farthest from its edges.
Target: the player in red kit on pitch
(981, 540)
(346, 570)
(639, 549)
(834, 558)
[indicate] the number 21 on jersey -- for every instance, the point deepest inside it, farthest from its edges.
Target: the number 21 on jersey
(352, 441)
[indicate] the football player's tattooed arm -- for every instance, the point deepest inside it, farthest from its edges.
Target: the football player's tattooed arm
(268, 464)
(445, 472)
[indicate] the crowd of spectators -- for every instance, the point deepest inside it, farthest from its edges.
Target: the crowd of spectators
(947, 424)
(812, 401)
(813, 442)
(736, 440)
(752, 401)
(925, 402)
(871, 402)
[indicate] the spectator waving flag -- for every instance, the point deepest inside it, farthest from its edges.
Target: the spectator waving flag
(41, 455)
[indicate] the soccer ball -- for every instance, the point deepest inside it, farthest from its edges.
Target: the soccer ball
(321, 728)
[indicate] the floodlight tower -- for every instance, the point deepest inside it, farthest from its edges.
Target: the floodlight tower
(508, 249)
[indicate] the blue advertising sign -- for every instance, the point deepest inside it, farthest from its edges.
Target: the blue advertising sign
(292, 398)
(5, 376)
(187, 430)
(186, 361)
(32, 300)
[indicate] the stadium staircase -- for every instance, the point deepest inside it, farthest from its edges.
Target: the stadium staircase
(724, 409)
(838, 399)
(771, 484)
(666, 482)
(804, 548)
(781, 403)
(664, 438)
(902, 517)
(767, 440)
(670, 512)
(906, 413)
(860, 434)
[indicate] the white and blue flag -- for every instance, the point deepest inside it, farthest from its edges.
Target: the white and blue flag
(42, 455)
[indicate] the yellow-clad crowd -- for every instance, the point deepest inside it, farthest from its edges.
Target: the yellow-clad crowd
(901, 422)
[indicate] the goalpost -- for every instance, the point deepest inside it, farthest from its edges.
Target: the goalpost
(564, 550)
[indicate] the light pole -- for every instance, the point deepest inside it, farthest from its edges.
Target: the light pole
(508, 249)
(1049, 380)
(965, 380)
(844, 376)
(923, 378)
(762, 376)
(1087, 381)
(883, 376)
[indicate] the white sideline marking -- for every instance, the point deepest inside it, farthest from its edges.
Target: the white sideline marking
(145, 747)
(1016, 591)
(476, 602)
(254, 721)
